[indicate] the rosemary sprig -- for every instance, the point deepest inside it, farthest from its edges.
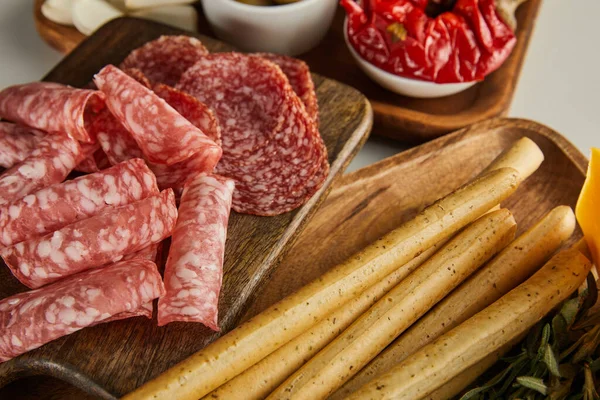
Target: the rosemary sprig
(558, 360)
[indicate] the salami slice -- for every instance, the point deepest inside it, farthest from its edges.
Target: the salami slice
(299, 76)
(192, 109)
(93, 242)
(88, 164)
(194, 269)
(164, 136)
(54, 158)
(138, 76)
(59, 205)
(51, 107)
(175, 176)
(16, 143)
(271, 146)
(145, 310)
(115, 140)
(246, 93)
(31, 319)
(165, 59)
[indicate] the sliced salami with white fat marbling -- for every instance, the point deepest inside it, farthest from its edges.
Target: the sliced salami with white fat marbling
(101, 239)
(192, 109)
(31, 319)
(163, 135)
(16, 143)
(51, 107)
(165, 59)
(150, 253)
(59, 205)
(298, 74)
(271, 146)
(54, 158)
(194, 270)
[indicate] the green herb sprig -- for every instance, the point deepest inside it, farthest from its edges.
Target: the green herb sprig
(558, 360)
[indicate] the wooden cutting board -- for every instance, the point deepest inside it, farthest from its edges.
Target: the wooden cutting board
(370, 202)
(122, 355)
(399, 117)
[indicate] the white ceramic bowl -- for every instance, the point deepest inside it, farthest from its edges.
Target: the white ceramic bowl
(289, 29)
(405, 86)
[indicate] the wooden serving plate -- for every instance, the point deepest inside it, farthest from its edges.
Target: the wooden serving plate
(370, 202)
(366, 204)
(398, 117)
(122, 355)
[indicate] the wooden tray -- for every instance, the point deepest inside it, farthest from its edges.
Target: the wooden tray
(122, 355)
(368, 203)
(398, 117)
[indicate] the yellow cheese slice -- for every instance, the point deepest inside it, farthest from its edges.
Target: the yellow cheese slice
(588, 207)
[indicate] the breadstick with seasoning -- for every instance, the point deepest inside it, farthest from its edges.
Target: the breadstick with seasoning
(515, 313)
(262, 378)
(507, 270)
(252, 341)
(399, 309)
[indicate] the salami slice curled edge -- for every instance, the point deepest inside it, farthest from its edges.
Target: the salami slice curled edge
(194, 270)
(163, 135)
(57, 206)
(31, 319)
(51, 107)
(54, 158)
(104, 238)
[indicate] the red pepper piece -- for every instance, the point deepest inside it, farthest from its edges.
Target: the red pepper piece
(463, 45)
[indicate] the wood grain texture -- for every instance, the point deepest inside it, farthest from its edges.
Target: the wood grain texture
(122, 355)
(399, 117)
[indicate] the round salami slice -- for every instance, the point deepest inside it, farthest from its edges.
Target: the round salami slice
(106, 237)
(299, 76)
(54, 158)
(271, 146)
(31, 319)
(51, 107)
(246, 94)
(16, 143)
(163, 135)
(59, 205)
(194, 270)
(165, 59)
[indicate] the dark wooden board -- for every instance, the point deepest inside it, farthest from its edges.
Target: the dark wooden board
(398, 117)
(121, 355)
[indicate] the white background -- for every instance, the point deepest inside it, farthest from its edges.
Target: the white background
(559, 84)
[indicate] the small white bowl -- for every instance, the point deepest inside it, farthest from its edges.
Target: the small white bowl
(289, 29)
(405, 86)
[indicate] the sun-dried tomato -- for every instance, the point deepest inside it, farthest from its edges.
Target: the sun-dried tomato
(461, 45)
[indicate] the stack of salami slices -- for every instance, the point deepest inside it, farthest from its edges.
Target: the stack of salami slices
(217, 131)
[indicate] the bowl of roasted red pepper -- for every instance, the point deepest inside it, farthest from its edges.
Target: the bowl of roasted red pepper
(429, 48)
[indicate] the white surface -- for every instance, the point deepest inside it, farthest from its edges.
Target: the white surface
(559, 85)
(401, 85)
(288, 29)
